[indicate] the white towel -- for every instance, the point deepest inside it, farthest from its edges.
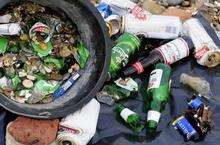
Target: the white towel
(78, 128)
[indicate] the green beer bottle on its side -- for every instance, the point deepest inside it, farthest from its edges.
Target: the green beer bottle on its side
(157, 94)
(125, 46)
(130, 117)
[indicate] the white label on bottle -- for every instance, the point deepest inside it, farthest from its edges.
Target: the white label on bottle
(153, 115)
(174, 51)
(125, 113)
(155, 78)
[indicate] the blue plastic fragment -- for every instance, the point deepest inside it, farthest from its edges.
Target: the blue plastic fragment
(104, 9)
(62, 90)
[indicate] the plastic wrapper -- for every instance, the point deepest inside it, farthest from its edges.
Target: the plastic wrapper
(200, 85)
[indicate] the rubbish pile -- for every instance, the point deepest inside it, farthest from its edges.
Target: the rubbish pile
(180, 35)
(41, 53)
(149, 37)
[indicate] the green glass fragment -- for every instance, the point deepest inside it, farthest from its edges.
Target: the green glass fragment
(16, 81)
(3, 44)
(45, 87)
(42, 52)
(59, 63)
(83, 55)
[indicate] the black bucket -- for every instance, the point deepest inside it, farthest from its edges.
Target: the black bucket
(94, 33)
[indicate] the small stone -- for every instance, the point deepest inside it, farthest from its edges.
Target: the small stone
(185, 3)
(47, 69)
(30, 77)
(28, 83)
(8, 60)
(24, 37)
(153, 7)
(217, 4)
(22, 74)
(182, 14)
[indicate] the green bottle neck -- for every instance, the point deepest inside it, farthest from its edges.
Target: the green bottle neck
(119, 108)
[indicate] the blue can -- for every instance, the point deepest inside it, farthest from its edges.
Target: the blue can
(195, 104)
(61, 90)
(186, 128)
(104, 9)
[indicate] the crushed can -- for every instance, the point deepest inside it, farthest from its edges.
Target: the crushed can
(186, 128)
(154, 26)
(207, 45)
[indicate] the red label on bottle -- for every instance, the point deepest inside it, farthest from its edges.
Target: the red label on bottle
(199, 54)
(68, 129)
(139, 13)
(138, 66)
(174, 51)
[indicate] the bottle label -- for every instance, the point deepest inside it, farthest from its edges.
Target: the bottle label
(120, 56)
(63, 128)
(174, 51)
(155, 79)
(125, 113)
(199, 54)
(139, 13)
(186, 128)
(153, 115)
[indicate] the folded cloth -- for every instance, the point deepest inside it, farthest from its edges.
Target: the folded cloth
(78, 128)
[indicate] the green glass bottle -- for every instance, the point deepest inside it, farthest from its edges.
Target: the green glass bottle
(125, 46)
(130, 117)
(157, 94)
